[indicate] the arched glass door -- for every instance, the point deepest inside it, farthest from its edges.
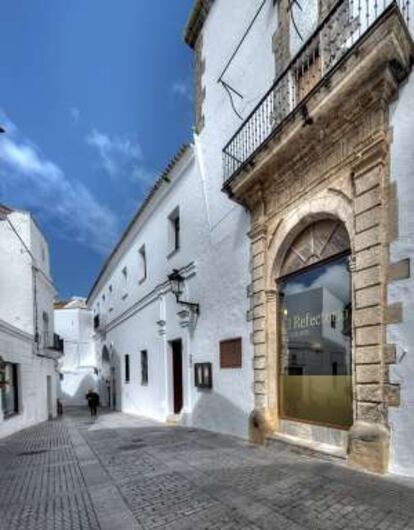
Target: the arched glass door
(315, 383)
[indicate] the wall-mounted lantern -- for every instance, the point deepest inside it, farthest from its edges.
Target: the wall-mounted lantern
(177, 287)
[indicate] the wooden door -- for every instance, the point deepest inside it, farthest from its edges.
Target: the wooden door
(177, 372)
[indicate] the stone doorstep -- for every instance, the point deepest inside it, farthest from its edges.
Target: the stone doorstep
(174, 419)
(309, 447)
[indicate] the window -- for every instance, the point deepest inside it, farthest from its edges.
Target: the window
(126, 368)
(174, 228)
(231, 353)
(9, 389)
(315, 341)
(124, 292)
(45, 318)
(142, 257)
(110, 309)
(144, 367)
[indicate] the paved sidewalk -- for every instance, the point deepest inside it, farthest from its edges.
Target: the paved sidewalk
(122, 472)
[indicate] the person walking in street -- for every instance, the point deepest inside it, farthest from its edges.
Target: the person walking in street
(93, 401)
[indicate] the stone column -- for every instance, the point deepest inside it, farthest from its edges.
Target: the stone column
(259, 418)
(369, 436)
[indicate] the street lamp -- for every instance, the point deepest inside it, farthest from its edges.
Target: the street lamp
(177, 288)
(2, 129)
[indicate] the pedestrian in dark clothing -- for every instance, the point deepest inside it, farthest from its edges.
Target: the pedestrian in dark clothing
(93, 401)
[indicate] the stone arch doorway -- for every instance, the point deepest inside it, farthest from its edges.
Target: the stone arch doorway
(314, 316)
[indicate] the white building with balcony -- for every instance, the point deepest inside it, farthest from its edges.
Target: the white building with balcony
(310, 105)
(29, 348)
(79, 367)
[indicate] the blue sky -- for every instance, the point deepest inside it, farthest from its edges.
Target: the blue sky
(96, 97)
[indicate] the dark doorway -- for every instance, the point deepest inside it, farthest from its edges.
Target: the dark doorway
(177, 372)
(113, 389)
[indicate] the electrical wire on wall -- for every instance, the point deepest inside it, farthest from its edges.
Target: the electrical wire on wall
(231, 91)
(292, 16)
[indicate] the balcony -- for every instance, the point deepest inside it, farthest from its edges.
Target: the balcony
(337, 37)
(52, 341)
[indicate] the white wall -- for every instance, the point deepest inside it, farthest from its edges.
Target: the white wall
(16, 300)
(79, 363)
(215, 247)
(402, 173)
(17, 347)
(18, 264)
(217, 273)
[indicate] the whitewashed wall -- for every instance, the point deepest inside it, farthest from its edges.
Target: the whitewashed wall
(215, 247)
(16, 300)
(17, 319)
(17, 347)
(79, 363)
(251, 73)
(217, 281)
(402, 173)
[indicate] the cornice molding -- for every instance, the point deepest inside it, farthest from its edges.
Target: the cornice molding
(195, 23)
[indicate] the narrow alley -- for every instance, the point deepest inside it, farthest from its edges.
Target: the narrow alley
(124, 472)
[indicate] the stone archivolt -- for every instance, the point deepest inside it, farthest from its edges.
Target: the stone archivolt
(336, 168)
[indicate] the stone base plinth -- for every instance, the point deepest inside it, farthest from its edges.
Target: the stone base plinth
(369, 447)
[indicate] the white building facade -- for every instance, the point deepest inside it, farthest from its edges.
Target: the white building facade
(309, 108)
(169, 360)
(29, 348)
(322, 156)
(79, 367)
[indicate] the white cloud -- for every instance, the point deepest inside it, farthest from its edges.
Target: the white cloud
(43, 186)
(334, 278)
(183, 89)
(119, 156)
(75, 114)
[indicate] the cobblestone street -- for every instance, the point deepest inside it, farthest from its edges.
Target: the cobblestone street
(122, 472)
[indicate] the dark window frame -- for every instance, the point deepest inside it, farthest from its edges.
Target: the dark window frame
(174, 222)
(144, 367)
(15, 385)
(127, 368)
(142, 252)
(201, 380)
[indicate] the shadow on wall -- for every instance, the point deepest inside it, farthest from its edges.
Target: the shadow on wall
(214, 412)
(75, 386)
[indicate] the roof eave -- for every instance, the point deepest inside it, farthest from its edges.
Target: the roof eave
(196, 21)
(162, 178)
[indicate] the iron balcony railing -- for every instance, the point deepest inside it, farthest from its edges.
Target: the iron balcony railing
(340, 30)
(52, 341)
